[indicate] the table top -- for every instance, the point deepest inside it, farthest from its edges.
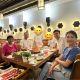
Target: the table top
(37, 63)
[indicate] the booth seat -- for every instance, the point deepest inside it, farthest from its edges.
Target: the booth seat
(75, 74)
(79, 44)
(1, 60)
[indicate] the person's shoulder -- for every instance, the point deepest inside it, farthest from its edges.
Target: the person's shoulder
(65, 48)
(5, 44)
(76, 50)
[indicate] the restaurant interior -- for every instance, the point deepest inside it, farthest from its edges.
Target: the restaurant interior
(39, 40)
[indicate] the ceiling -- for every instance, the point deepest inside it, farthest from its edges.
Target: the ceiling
(10, 6)
(7, 3)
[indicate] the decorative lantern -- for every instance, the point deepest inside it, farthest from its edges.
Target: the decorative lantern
(41, 4)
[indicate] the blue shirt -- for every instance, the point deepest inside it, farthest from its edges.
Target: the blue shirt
(70, 54)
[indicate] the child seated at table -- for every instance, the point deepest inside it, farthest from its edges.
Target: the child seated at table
(45, 44)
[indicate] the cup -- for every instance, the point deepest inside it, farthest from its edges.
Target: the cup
(24, 59)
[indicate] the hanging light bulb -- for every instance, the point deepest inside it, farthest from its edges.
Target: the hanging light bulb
(41, 4)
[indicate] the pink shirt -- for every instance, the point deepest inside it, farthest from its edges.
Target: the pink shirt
(7, 49)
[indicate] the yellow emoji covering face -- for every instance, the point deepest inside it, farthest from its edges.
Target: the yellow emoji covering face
(38, 31)
(48, 35)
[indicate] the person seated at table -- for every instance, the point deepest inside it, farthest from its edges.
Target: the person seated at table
(61, 67)
(26, 43)
(58, 41)
(9, 47)
(45, 44)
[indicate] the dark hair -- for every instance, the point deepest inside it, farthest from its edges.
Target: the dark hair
(45, 40)
(56, 31)
(73, 33)
(9, 37)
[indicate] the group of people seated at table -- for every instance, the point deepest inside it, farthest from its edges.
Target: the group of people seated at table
(27, 44)
(61, 67)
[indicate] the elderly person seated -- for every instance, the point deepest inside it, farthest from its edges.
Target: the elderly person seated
(61, 67)
(26, 43)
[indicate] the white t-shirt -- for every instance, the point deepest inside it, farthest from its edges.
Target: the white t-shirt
(38, 39)
(26, 43)
(31, 34)
(61, 44)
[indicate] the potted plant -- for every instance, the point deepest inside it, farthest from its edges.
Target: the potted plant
(25, 56)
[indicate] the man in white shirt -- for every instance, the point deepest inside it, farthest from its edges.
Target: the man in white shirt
(58, 41)
(26, 43)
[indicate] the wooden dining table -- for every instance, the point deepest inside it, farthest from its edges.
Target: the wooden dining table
(27, 65)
